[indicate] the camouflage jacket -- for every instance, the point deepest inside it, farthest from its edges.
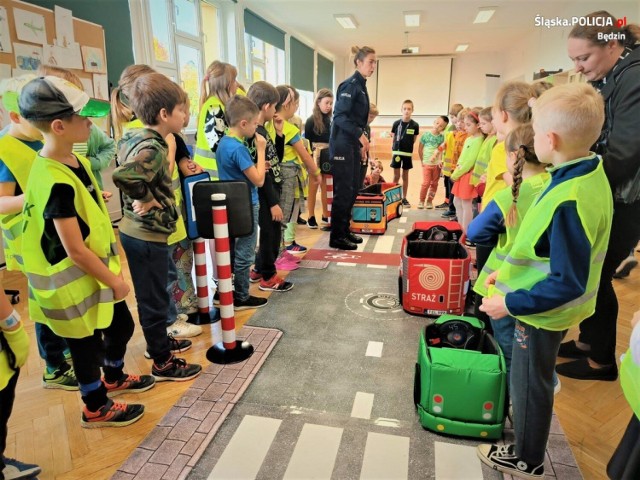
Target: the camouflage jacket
(144, 175)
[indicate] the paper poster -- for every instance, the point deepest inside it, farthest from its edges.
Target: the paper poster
(30, 26)
(5, 38)
(93, 59)
(87, 85)
(28, 57)
(63, 57)
(100, 87)
(64, 26)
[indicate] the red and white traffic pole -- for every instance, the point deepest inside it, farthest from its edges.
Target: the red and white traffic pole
(229, 350)
(205, 315)
(329, 181)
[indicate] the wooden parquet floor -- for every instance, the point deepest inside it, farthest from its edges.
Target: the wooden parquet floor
(45, 425)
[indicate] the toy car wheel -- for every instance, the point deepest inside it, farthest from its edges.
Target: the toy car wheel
(400, 290)
(416, 386)
(399, 210)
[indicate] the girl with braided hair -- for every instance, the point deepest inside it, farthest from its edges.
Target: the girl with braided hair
(499, 222)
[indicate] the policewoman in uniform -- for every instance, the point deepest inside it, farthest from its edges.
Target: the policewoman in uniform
(347, 145)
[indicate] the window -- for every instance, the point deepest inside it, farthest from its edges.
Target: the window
(264, 61)
(305, 110)
(178, 49)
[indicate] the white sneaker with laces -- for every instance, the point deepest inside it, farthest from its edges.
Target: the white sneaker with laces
(182, 329)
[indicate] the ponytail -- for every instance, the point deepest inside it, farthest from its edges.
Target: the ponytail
(121, 112)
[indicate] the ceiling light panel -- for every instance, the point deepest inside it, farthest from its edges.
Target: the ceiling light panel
(462, 47)
(484, 14)
(346, 21)
(412, 19)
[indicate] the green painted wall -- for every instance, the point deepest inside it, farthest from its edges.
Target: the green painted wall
(115, 17)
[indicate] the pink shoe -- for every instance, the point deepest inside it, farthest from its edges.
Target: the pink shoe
(285, 265)
(289, 257)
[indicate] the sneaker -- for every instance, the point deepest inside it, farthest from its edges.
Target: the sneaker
(293, 247)
(448, 214)
(503, 459)
(406, 203)
(285, 265)
(301, 221)
(175, 370)
(275, 284)
(15, 469)
(289, 258)
(311, 223)
(251, 302)
(63, 378)
(624, 269)
(129, 384)
(182, 329)
(254, 277)
(325, 221)
(442, 206)
(429, 206)
(176, 346)
(420, 205)
(113, 414)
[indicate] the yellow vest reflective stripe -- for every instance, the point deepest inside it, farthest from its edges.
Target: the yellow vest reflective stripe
(181, 231)
(529, 191)
(482, 162)
(522, 269)
(630, 382)
(72, 303)
(18, 158)
(203, 155)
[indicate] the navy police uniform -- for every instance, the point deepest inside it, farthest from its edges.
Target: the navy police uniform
(350, 115)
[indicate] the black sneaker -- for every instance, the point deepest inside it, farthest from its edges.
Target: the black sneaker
(406, 203)
(251, 302)
(311, 223)
(325, 221)
(177, 345)
(442, 206)
(112, 414)
(503, 459)
(448, 214)
(175, 370)
(301, 221)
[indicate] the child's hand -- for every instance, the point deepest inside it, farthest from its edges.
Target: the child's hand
(121, 290)
(276, 213)
(106, 195)
(261, 142)
(483, 178)
(494, 306)
(189, 167)
(491, 279)
(142, 208)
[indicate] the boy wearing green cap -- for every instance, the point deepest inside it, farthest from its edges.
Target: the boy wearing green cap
(70, 253)
(19, 144)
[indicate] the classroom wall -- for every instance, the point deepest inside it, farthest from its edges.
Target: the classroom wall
(115, 18)
(469, 83)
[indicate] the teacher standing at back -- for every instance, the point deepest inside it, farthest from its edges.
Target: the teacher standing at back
(348, 145)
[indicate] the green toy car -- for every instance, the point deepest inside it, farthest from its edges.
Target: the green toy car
(460, 379)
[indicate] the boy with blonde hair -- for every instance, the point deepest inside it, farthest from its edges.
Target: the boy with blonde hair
(549, 280)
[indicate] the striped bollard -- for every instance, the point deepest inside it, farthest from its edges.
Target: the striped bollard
(205, 314)
(229, 350)
(329, 180)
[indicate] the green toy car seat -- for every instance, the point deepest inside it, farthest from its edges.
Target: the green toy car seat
(460, 379)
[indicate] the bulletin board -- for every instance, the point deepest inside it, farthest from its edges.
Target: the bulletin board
(87, 34)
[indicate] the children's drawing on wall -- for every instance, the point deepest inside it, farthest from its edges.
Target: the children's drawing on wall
(93, 60)
(64, 27)
(63, 57)
(28, 57)
(87, 85)
(30, 26)
(100, 87)
(5, 38)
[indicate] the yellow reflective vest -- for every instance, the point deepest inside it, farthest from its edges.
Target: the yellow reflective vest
(71, 302)
(482, 162)
(522, 269)
(529, 191)
(18, 158)
(203, 155)
(630, 382)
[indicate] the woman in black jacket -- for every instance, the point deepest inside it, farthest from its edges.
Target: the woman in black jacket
(609, 57)
(348, 145)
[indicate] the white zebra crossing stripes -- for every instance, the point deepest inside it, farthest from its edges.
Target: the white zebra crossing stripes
(374, 349)
(362, 405)
(384, 245)
(457, 461)
(247, 449)
(385, 457)
(315, 453)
